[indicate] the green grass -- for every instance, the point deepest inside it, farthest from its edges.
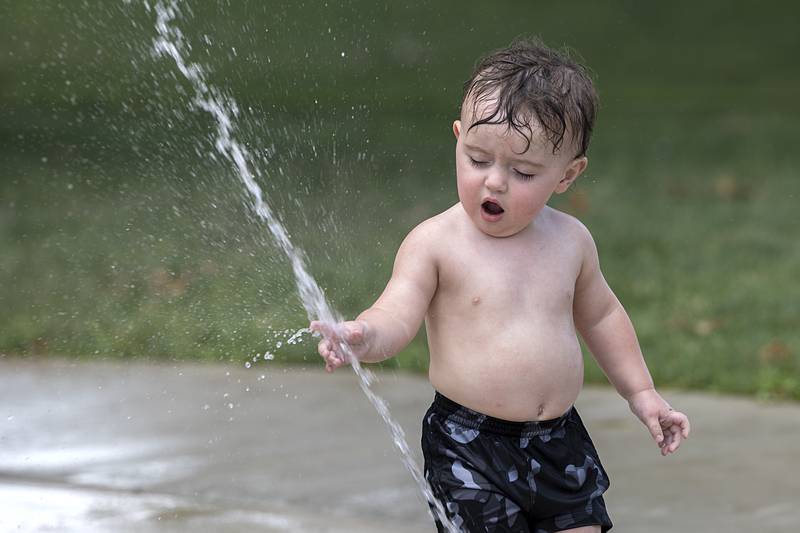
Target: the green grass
(119, 240)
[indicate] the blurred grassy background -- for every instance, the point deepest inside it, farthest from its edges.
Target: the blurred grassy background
(121, 237)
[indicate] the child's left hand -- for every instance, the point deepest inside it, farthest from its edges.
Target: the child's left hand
(667, 426)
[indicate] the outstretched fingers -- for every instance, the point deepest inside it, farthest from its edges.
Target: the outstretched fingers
(675, 427)
(323, 328)
(676, 438)
(685, 426)
(325, 349)
(654, 426)
(328, 345)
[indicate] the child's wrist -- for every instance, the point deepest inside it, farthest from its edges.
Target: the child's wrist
(632, 395)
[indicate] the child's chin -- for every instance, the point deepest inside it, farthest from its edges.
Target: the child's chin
(494, 230)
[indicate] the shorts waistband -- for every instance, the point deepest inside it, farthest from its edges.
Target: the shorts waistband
(474, 420)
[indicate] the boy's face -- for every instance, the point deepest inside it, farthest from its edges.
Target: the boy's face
(501, 185)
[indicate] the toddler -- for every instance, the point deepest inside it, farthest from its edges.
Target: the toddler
(504, 283)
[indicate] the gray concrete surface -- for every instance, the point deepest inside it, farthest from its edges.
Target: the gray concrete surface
(159, 447)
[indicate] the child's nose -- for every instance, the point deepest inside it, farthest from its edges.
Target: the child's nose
(496, 181)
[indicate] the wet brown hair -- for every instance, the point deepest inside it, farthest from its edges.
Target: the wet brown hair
(529, 82)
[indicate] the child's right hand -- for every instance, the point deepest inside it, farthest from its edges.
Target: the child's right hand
(352, 333)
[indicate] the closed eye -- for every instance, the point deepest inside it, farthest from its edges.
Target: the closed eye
(477, 163)
(524, 176)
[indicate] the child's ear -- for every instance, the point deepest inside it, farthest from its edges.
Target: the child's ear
(574, 169)
(457, 128)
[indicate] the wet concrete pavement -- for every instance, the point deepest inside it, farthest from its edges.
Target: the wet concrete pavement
(180, 447)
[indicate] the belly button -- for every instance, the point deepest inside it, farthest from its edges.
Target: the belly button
(541, 410)
(476, 300)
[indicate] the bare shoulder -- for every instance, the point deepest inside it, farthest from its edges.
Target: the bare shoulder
(431, 233)
(424, 242)
(569, 228)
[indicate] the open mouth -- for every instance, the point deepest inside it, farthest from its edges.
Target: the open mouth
(491, 207)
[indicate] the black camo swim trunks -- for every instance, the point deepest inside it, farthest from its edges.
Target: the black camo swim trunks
(494, 475)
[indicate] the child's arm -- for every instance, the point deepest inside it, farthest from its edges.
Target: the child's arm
(609, 334)
(394, 319)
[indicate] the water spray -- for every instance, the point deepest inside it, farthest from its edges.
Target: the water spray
(170, 42)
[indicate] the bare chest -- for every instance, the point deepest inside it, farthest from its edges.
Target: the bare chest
(498, 279)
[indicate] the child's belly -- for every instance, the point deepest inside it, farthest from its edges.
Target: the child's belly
(515, 371)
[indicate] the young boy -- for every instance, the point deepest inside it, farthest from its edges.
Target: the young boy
(503, 282)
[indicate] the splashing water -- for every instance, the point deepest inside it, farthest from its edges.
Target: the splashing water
(171, 43)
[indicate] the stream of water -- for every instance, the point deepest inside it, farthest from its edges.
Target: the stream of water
(171, 43)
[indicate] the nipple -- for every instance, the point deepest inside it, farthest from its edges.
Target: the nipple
(476, 300)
